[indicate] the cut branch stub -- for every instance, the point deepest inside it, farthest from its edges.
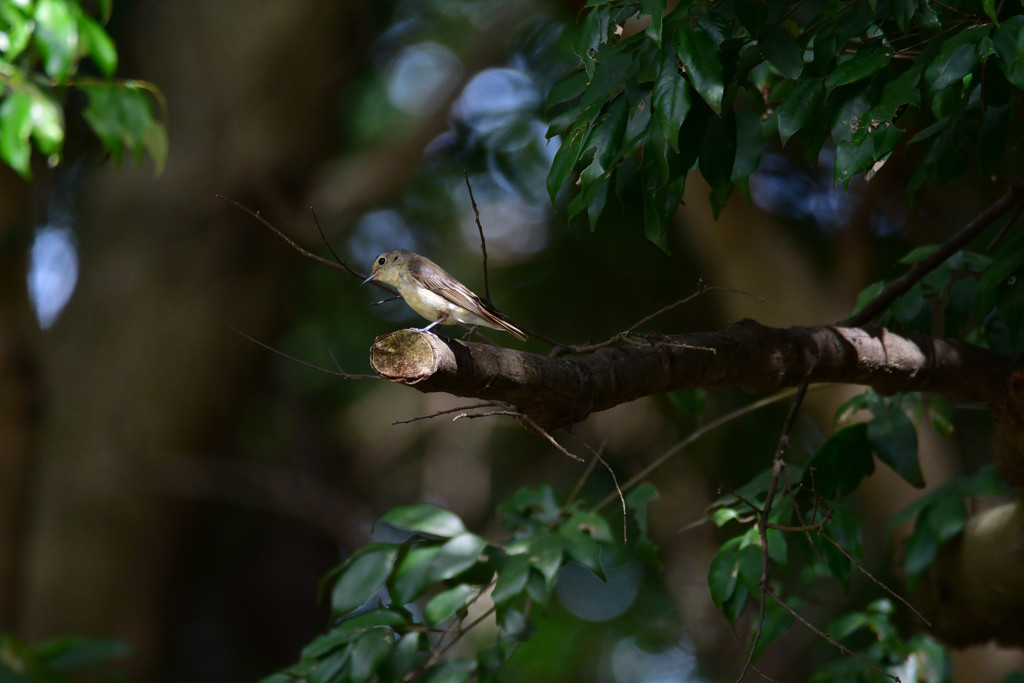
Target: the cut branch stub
(558, 392)
(410, 356)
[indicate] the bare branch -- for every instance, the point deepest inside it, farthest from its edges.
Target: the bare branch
(340, 265)
(825, 636)
(901, 285)
(702, 288)
(558, 392)
(336, 373)
(483, 242)
(448, 411)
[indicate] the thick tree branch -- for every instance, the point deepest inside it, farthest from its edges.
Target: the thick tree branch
(558, 392)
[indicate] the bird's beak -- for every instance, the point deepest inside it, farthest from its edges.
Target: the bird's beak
(372, 275)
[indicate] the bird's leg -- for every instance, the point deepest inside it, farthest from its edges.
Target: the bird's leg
(427, 328)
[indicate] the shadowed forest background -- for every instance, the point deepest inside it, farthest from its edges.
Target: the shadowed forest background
(166, 482)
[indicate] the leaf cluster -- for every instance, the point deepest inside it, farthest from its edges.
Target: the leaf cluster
(51, 48)
(398, 608)
(705, 86)
(59, 660)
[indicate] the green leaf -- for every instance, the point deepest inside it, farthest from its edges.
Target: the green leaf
(637, 501)
(56, 36)
(511, 579)
(851, 160)
(894, 440)
(456, 556)
(369, 653)
(940, 411)
(952, 66)
(866, 62)
(538, 504)
(568, 89)
(1009, 42)
(546, 555)
(782, 51)
(15, 131)
(840, 464)
(803, 104)
(749, 561)
(593, 34)
(122, 118)
(937, 524)
(989, 7)
(654, 9)
(18, 29)
(327, 643)
(401, 658)
(592, 199)
(866, 400)
(371, 619)
(749, 147)
(867, 295)
(361, 577)
(425, 518)
(671, 98)
(717, 157)
(584, 533)
(411, 577)
(904, 11)
(700, 58)
(659, 205)
(564, 163)
(723, 573)
(451, 671)
(331, 667)
(445, 604)
(47, 119)
(777, 621)
(982, 483)
(97, 44)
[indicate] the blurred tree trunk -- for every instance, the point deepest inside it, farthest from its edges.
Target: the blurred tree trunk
(20, 391)
(143, 366)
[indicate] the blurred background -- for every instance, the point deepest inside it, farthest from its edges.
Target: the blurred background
(165, 481)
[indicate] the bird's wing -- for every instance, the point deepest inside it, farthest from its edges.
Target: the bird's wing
(440, 281)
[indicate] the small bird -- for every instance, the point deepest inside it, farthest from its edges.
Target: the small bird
(434, 294)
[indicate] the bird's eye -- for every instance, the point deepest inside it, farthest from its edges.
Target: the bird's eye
(381, 261)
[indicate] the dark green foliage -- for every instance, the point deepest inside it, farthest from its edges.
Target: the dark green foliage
(851, 71)
(50, 48)
(387, 597)
(60, 660)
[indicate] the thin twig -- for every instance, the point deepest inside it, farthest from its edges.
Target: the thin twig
(696, 434)
(1006, 228)
(702, 288)
(483, 242)
(581, 481)
(871, 576)
(341, 265)
(337, 373)
(618, 489)
(822, 634)
(534, 427)
(327, 242)
(543, 432)
(902, 284)
(443, 412)
(778, 466)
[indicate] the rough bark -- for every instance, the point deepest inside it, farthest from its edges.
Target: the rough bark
(558, 392)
